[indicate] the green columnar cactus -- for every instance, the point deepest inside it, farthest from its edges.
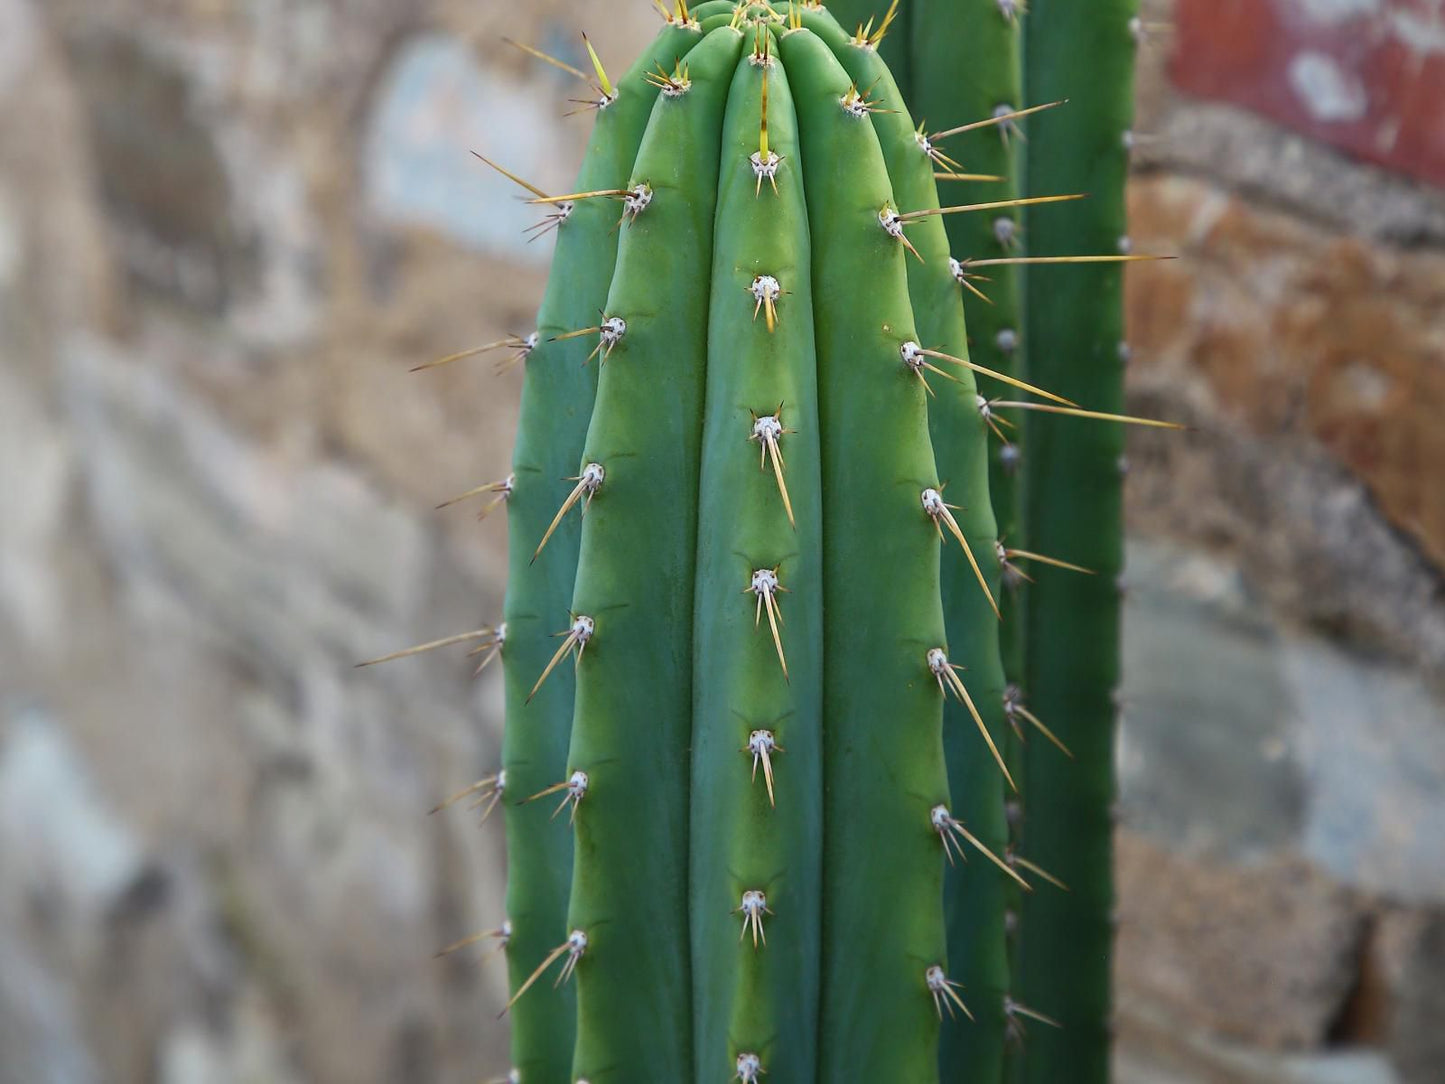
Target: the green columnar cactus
(1085, 52)
(757, 707)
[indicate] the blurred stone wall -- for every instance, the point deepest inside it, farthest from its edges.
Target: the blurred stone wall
(227, 228)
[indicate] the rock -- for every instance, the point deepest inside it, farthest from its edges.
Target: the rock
(1262, 953)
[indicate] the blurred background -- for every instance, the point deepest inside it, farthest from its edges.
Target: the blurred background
(228, 227)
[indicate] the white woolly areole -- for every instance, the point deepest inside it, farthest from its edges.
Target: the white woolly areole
(912, 355)
(637, 199)
(1002, 555)
(924, 143)
(767, 428)
(764, 582)
(765, 169)
(933, 502)
(501, 784)
(937, 660)
(936, 979)
(583, 627)
(592, 477)
(941, 817)
(753, 903)
(577, 944)
(1007, 340)
(1004, 229)
(501, 633)
(853, 104)
(766, 288)
(505, 936)
(530, 342)
(955, 268)
(613, 328)
(983, 407)
(749, 1066)
(891, 222)
(760, 742)
(1003, 109)
(577, 785)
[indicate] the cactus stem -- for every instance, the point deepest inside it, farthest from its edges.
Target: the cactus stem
(913, 216)
(1034, 868)
(576, 637)
(1075, 412)
(945, 992)
(953, 834)
(768, 430)
(491, 790)
(942, 513)
(766, 290)
(753, 907)
(522, 345)
(493, 637)
(1001, 377)
(1014, 710)
(765, 585)
(1005, 118)
(949, 681)
(572, 948)
(502, 491)
(762, 745)
(502, 934)
(576, 787)
(588, 483)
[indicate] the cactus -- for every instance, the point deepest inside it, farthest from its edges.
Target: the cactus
(743, 773)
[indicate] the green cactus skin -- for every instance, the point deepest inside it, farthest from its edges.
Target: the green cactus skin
(976, 891)
(760, 998)
(1085, 52)
(557, 402)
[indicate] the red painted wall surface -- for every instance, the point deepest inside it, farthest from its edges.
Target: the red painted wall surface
(1365, 75)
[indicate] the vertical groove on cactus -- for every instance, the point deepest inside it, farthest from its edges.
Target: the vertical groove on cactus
(756, 868)
(1075, 324)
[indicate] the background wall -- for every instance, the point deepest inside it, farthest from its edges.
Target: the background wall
(228, 227)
